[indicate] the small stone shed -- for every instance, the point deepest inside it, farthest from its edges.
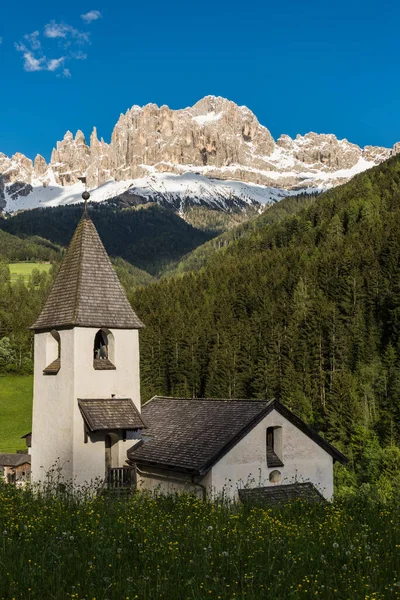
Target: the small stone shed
(15, 468)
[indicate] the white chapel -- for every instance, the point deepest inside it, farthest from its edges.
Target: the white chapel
(89, 425)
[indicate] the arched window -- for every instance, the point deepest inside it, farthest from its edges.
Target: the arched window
(274, 447)
(103, 350)
(53, 353)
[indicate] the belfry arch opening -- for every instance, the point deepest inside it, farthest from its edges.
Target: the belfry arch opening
(103, 350)
(53, 353)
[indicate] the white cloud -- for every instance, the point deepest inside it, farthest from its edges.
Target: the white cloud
(55, 30)
(38, 62)
(90, 16)
(33, 40)
(31, 62)
(79, 55)
(55, 63)
(38, 49)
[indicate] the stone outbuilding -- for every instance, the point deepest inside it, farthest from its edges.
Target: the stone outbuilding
(15, 468)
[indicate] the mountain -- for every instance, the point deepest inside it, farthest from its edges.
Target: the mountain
(180, 158)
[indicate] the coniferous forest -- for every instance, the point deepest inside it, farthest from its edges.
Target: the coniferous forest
(301, 304)
(306, 310)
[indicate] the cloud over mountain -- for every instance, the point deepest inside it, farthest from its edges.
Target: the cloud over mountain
(90, 16)
(58, 43)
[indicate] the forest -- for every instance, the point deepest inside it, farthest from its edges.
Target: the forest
(302, 304)
(306, 310)
(149, 237)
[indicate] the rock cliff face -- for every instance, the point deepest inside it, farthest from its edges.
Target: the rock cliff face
(214, 138)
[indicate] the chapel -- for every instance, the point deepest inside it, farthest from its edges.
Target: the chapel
(89, 426)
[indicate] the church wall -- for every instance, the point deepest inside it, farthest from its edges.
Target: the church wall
(52, 408)
(123, 382)
(245, 465)
(171, 483)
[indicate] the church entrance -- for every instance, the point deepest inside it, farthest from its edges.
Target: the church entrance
(111, 451)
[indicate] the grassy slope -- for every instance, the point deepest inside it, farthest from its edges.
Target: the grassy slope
(24, 269)
(15, 411)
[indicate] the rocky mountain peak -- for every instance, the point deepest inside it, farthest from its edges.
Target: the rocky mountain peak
(214, 138)
(80, 138)
(39, 166)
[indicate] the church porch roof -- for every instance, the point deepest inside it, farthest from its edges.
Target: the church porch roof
(106, 414)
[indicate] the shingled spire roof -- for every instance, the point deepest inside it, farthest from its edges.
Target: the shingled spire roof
(87, 291)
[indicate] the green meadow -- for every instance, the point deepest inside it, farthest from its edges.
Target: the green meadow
(182, 548)
(25, 269)
(15, 411)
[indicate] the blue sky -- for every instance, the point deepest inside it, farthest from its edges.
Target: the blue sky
(300, 66)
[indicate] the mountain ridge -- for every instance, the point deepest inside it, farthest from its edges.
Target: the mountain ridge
(214, 139)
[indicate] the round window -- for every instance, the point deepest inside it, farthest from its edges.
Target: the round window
(275, 477)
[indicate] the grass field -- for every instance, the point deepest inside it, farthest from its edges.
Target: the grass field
(181, 548)
(15, 411)
(24, 269)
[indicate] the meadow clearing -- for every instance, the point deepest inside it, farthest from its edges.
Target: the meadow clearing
(25, 269)
(15, 410)
(178, 548)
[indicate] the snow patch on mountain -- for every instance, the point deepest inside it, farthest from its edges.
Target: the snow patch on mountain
(207, 118)
(165, 188)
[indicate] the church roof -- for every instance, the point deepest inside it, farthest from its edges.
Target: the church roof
(280, 494)
(105, 414)
(191, 435)
(87, 291)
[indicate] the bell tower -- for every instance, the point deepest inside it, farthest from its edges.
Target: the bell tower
(86, 401)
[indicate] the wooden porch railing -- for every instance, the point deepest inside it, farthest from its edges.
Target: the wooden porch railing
(121, 478)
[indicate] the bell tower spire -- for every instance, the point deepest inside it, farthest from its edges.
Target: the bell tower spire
(86, 368)
(85, 195)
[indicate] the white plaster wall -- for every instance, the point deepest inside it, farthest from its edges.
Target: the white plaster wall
(245, 465)
(58, 427)
(123, 382)
(165, 485)
(52, 408)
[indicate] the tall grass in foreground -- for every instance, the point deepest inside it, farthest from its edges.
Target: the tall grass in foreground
(61, 547)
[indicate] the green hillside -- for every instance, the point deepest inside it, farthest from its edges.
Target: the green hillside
(32, 249)
(15, 410)
(198, 258)
(150, 238)
(26, 269)
(305, 310)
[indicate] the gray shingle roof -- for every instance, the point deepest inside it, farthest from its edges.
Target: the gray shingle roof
(190, 435)
(14, 460)
(102, 414)
(280, 494)
(87, 291)
(187, 434)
